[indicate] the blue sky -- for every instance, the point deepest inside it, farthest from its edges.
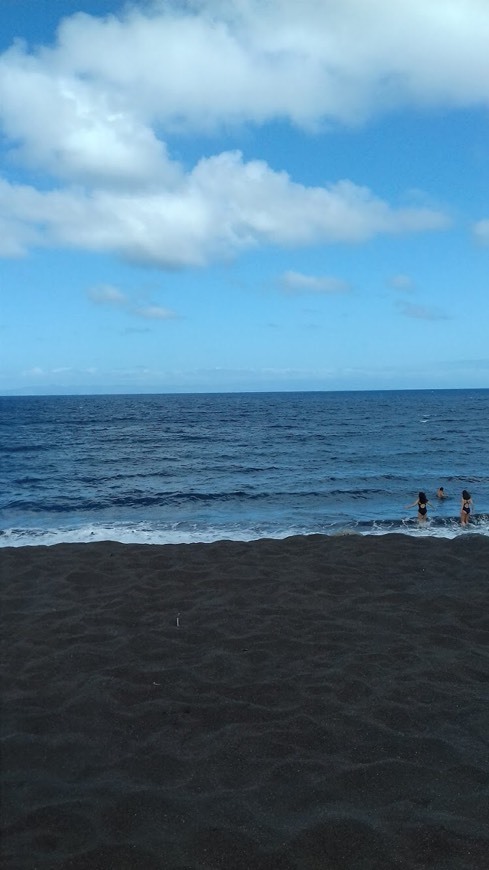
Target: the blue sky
(243, 195)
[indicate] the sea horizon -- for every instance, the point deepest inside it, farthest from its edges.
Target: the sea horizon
(123, 391)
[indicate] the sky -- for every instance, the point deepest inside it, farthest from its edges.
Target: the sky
(236, 195)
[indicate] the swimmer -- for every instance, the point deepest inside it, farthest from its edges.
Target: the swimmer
(465, 506)
(440, 493)
(422, 504)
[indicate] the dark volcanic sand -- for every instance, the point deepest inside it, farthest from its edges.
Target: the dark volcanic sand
(323, 703)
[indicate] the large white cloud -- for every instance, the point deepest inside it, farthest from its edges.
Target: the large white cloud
(76, 129)
(207, 61)
(101, 88)
(94, 110)
(222, 207)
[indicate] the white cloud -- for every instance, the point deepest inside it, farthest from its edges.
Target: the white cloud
(16, 236)
(107, 294)
(154, 312)
(295, 283)
(74, 129)
(481, 232)
(94, 110)
(224, 206)
(206, 62)
(89, 105)
(402, 282)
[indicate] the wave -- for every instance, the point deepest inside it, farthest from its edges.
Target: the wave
(25, 448)
(194, 532)
(138, 499)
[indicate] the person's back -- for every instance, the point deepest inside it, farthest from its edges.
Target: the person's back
(465, 507)
(422, 503)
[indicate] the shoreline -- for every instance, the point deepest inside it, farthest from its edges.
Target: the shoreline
(137, 533)
(313, 701)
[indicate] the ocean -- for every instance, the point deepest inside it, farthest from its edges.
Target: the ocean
(241, 466)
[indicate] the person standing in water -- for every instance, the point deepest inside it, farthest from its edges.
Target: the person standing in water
(422, 503)
(440, 493)
(465, 506)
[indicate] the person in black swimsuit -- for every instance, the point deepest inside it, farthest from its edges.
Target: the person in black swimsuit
(465, 507)
(422, 504)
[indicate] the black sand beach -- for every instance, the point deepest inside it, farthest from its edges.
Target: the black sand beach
(306, 704)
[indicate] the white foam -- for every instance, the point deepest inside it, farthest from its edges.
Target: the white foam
(184, 533)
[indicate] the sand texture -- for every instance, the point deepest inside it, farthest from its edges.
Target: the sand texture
(308, 704)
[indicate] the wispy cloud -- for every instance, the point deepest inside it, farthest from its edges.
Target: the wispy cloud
(135, 330)
(108, 294)
(481, 232)
(298, 283)
(38, 372)
(154, 312)
(421, 312)
(402, 282)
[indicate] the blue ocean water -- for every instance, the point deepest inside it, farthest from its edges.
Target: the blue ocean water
(182, 468)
